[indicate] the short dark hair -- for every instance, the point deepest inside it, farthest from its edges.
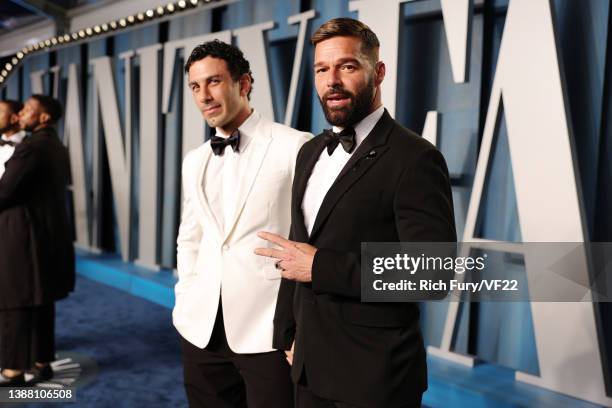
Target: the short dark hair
(50, 105)
(348, 27)
(233, 57)
(15, 106)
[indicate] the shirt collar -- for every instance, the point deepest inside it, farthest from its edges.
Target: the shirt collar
(15, 137)
(247, 130)
(364, 126)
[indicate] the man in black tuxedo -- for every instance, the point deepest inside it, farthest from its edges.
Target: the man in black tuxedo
(36, 250)
(370, 180)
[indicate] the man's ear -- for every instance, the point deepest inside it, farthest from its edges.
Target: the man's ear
(380, 72)
(245, 84)
(44, 118)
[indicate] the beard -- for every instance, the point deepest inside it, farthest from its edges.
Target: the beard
(28, 127)
(355, 111)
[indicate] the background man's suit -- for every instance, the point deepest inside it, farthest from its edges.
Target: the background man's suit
(395, 187)
(36, 250)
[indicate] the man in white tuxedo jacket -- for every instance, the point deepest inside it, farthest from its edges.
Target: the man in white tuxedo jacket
(234, 185)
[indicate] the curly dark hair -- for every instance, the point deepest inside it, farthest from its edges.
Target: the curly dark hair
(236, 63)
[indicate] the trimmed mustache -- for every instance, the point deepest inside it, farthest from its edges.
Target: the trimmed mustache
(337, 93)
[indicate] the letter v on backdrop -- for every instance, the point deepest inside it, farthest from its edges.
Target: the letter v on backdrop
(529, 81)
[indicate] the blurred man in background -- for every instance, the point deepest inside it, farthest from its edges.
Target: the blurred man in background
(36, 250)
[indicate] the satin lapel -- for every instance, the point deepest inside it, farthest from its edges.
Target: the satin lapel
(202, 199)
(255, 155)
(302, 174)
(369, 152)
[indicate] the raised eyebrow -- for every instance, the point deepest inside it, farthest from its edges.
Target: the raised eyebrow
(345, 60)
(339, 62)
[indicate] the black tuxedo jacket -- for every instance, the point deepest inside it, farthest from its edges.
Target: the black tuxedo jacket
(36, 250)
(394, 188)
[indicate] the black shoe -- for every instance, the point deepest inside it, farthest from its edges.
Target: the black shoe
(40, 374)
(17, 381)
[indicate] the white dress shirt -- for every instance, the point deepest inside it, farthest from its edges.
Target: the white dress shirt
(223, 173)
(6, 151)
(327, 168)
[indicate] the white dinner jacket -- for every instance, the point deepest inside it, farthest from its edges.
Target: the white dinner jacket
(210, 261)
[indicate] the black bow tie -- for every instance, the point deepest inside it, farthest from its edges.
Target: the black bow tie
(6, 142)
(346, 138)
(218, 144)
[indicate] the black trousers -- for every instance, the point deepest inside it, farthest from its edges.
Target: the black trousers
(304, 398)
(216, 377)
(27, 335)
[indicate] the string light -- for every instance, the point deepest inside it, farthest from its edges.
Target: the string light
(141, 17)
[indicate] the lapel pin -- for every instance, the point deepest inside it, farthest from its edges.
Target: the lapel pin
(370, 155)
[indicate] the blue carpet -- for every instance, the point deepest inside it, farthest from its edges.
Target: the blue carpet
(133, 342)
(487, 386)
(110, 270)
(138, 354)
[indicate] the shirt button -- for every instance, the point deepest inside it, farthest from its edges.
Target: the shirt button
(225, 247)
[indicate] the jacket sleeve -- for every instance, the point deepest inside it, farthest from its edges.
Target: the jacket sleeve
(423, 210)
(424, 203)
(19, 171)
(189, 236)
